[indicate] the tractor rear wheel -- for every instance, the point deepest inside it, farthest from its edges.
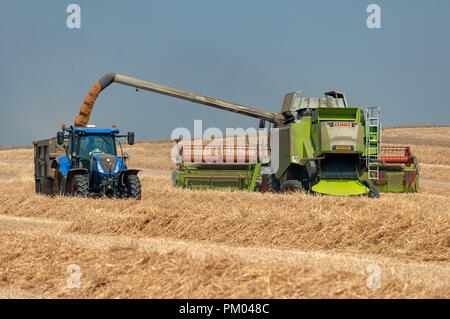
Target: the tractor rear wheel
(133, 186)
(291, 186)
(79, 186)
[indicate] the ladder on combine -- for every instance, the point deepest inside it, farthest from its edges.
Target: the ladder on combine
(373, 141)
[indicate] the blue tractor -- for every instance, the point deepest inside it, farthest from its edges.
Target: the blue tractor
(90, 166)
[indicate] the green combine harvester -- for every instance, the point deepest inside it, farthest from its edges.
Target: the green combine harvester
(318, 145)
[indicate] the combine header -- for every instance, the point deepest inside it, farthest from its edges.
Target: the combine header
(398, 171)
(319, 145)
(210, 166)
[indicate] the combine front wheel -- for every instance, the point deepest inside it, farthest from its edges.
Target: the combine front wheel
(270, 184)
(291, 186)
(373, 191)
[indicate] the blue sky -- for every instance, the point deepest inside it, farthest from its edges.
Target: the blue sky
(248, 52)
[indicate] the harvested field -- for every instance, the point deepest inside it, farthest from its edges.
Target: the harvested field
(221, 244)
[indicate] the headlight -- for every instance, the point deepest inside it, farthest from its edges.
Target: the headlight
(116, 170)
(99, 167)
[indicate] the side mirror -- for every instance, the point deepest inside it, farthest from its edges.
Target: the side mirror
(60, 138)
(262, 124)
(130, 138)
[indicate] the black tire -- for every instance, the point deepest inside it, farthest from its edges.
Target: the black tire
(79, 186)
(258, 187)
(271, 183)
(373, 191)
(133, 186)
(37, 186)
(291, 186)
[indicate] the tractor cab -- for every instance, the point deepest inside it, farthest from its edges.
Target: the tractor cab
(84, 143)
(87, 143)
(95, 144)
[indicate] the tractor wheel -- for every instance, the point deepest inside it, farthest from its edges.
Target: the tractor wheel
(373, 191)
(79, 186)
(133, 186)
(291, 186)
(271, 183)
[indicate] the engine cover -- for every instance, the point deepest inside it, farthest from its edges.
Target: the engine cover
(108, 163)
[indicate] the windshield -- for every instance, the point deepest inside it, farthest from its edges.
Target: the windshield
(90, 144)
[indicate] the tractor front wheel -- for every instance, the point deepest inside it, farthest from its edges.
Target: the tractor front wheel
(133, 186)
(79, 186)
(291, 186)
